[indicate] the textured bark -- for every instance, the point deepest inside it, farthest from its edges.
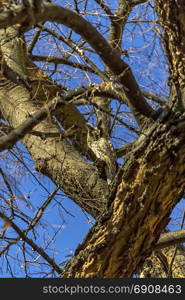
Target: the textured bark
(54, 158)
(165, 263)
(171, 18)
(116, 246)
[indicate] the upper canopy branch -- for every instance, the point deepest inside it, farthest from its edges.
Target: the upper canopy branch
(61, 15)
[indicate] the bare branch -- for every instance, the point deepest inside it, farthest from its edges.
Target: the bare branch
(15, 135)
(171, 238)
(105, 7)
(154, 98)
(41, 210)
(65, 61)
(32, 244)
(55, 13)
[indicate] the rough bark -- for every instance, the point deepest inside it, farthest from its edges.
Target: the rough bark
(171, 18)
(118, 244)
(165, 263)
(54, 158)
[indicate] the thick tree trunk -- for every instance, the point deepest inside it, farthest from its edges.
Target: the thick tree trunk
(151, 184)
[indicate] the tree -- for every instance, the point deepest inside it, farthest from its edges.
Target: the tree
(50, 116)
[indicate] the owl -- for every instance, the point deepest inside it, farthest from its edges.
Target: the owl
(103, 150)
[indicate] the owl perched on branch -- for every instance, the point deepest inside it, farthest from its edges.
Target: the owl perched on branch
(103, 150)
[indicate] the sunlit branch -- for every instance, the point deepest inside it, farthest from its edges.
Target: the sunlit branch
(154, 98)
(105, 7)
(79, 50)
(34, 40)
(171, 238)
(59, 60)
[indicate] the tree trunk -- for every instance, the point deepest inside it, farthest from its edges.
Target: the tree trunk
(144, 199)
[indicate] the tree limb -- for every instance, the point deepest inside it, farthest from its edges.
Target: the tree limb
(55, 13)
(171, 238)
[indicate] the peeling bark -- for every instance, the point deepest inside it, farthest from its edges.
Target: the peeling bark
(118, 245)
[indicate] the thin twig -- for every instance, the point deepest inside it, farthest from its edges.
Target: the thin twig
(31, 243)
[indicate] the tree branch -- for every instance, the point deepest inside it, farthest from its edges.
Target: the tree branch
(15, 135)
(31, 243)
(56, 13)
(171, 238)
(65, 61)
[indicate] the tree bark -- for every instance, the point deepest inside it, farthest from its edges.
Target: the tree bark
(144, 199)
(165, 263)
(54, 158)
